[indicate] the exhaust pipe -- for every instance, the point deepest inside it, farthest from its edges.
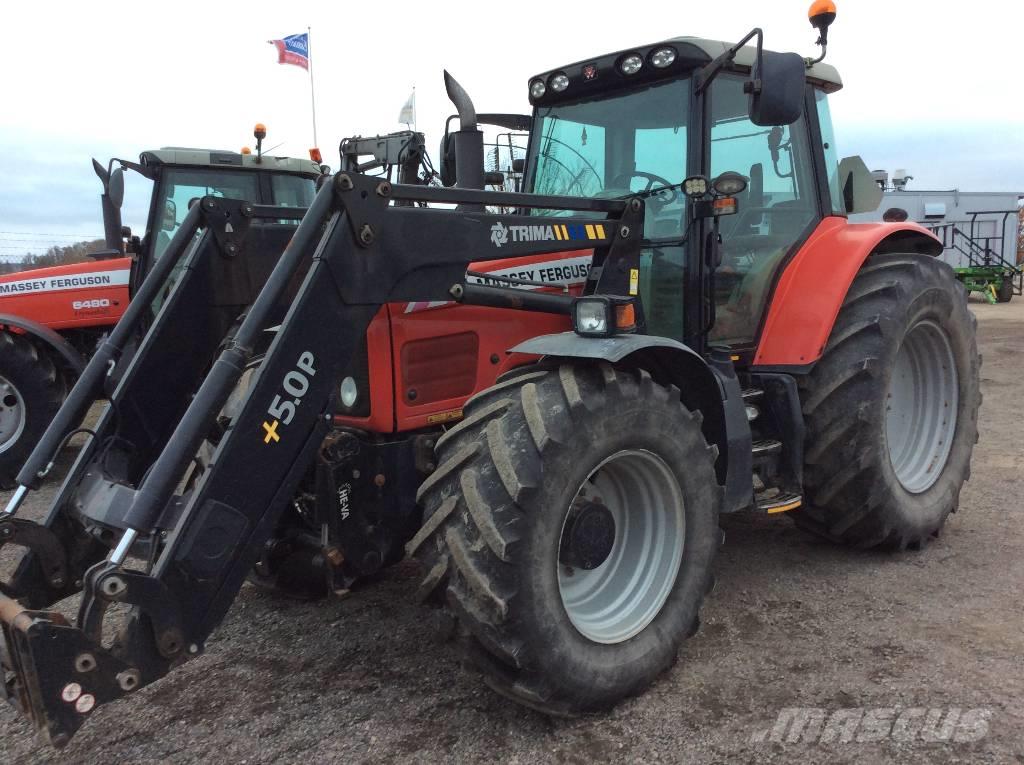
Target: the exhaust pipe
(469, 140)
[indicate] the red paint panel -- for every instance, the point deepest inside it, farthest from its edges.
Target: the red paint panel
(86, 294)
(382, 394)
(439, 368)
(495, 331)
(813, 286)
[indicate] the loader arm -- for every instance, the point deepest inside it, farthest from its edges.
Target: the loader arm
(135, 487)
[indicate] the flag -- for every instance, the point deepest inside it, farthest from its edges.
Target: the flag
(293, 49)
(408, 114)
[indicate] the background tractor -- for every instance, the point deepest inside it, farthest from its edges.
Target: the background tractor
(677, 321)
(52, 318)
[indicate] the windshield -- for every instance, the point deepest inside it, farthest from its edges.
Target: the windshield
(178, 187)
(293, 190)
(614, 145)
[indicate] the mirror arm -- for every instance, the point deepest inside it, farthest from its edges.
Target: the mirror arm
(709, 72)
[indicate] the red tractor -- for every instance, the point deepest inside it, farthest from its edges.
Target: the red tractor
(556, 458)
(52, 318)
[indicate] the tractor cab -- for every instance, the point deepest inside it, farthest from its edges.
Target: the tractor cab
(182, 176)
(644, 119)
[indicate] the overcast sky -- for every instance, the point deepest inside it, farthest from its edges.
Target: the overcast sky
(933, 88)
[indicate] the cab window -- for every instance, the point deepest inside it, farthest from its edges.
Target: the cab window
(778, 206)
(292, 190)
(179, 187)
(828, 139)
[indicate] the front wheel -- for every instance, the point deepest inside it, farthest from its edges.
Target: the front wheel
(571, 527)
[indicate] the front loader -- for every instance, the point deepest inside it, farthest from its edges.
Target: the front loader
(556, 453)
(52, 319)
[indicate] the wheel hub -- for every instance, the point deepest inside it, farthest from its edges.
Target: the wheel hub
(921, 406)
(12, 414)
(589, 536)
(621, 546)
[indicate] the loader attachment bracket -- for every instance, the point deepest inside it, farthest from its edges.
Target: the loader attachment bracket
(229, 220)
(54, 674)
(48, 550)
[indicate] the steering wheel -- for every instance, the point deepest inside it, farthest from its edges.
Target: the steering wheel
(623, 179)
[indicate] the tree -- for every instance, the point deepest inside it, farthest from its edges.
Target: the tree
(59, 255)
(1020, 230)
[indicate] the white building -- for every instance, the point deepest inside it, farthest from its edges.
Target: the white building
(987, 217)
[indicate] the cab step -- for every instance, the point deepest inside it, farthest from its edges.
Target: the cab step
(766, 447)
(751, 395)
(779, 503)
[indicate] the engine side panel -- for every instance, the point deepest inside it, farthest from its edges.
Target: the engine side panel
(438, 354)
(90, 294)
(814, 284)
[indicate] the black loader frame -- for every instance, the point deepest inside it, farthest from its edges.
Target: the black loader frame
(358, 247)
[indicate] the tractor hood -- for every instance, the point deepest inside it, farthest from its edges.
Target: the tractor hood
(77, 295)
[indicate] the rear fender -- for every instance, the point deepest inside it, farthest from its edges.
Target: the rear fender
(47, 338)
(814, 284)
(714, 392)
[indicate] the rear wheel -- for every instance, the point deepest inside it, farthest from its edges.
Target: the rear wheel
(1005, 292)
(891, 407)
(571, 527)
(31, 392)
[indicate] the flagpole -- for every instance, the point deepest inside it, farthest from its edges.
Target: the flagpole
(312, 90)
(414, 108)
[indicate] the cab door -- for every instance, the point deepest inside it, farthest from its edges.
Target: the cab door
(777, 212)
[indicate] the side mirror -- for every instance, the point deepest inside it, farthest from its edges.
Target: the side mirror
(860, 192)
(518, 165)
(447, 160)
(170, 219)
(776, 89)
(115, 188)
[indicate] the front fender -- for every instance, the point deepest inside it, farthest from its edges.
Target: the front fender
(813, 285)
(613, 349)
(46, 337)
(713, 391)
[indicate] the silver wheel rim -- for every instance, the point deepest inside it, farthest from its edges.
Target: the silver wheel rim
(619, 598)
(921, 407)
(12, 415)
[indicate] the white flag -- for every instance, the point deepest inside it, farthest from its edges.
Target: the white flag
(408, 113)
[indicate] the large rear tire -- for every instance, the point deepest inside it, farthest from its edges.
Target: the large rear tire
(1005, 292)
(571, 527)
(31, 392)
(891, 408)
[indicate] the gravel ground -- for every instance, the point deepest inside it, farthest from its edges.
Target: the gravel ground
(794, 622)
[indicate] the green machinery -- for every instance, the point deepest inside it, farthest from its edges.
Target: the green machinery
(987, 270)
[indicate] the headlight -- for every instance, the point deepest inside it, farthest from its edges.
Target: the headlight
(729, 183)
(663, 57)
(559, 82)
(349, 392)
(538, 89)
(695, 186)
(592, 317)
(631, 64)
